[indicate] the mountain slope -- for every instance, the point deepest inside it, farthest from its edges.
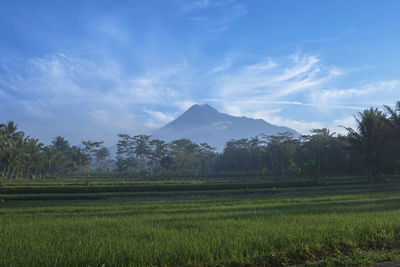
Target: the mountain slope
(202, 123)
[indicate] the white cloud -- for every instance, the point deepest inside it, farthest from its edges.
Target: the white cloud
(228, 63)
(71, 91)
(270, 115)
(159, 118)
(269, 80)
(114, 31)
(263, 90)
(281, 103)
(334, 38)
(302, 126)
(215, 16)
(376, 93)
(266, 85)
(299, 81)
(98, 95)
(339, 124)
(199, 4)
(187, 6)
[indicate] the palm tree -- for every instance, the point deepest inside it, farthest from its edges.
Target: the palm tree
(34, 163)
(8, 140)
(10, 131)
(2, 151)
(22, 154)
(394, 115)
(368, 141)
(393, 122)
(58, 155)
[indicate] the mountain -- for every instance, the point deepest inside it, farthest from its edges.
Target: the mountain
(203, 123)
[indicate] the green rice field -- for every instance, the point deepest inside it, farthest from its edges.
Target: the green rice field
(229, 222)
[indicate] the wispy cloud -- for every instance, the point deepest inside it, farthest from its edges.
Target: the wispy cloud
(339, 124)
(273, 82)
(158, 118)
(65, 92)
(262, 90)
(101, 95)
(374, 93)
(270, 80)
(224, 66)
(301, 81)
(188, 6)
(285, 103)
(272, 116)
(338, 37)
(114, 31)
(215, 16)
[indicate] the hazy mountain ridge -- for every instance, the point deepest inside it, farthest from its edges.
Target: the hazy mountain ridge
(203, 123)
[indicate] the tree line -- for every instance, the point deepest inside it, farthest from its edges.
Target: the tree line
(371, 149)
(22, 156)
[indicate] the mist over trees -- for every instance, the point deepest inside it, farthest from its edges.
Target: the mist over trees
(371, 149)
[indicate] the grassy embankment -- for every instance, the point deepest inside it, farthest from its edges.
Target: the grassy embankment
(197, 222)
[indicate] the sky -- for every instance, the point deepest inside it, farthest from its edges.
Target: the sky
(92, 69)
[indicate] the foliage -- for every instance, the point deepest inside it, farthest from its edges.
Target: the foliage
(25, 157)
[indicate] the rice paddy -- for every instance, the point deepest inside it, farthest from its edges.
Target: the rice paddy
(197, 223)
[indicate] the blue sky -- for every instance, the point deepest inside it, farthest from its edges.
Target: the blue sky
(92, 69)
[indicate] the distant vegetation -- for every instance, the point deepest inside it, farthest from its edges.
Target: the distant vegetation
(372, 149)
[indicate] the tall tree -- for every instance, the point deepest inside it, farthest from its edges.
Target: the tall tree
(184, 153)
(205, 155)
(9, 153)
(58, 156)
(35, 159)
(125, 153)
(368, 141)
(235, 155)
(393, 136)
(323, 153)
(142, 149)
(159, 149)
(91, 149)
(281, 151)
(101, 156)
